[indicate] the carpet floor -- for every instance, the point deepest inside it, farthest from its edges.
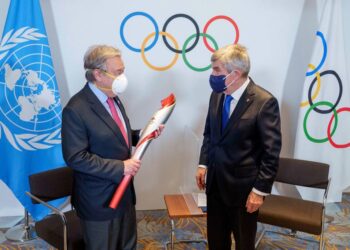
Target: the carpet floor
(154, 231)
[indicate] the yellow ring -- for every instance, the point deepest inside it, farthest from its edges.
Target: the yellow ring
(318, 87)
(144, 56)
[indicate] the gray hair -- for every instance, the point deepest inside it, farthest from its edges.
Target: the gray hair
(233, 56)
(96, 57)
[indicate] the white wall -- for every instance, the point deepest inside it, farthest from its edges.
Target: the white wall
(278, 34)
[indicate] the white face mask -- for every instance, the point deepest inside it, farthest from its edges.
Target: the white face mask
(119, 85)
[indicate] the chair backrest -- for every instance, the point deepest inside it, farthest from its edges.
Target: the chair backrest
(52, 184)
(303, 173)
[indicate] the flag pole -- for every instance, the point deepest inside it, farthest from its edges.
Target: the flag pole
(22, 232)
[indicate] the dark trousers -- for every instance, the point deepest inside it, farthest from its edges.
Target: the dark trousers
(222, 221)
(117, 234)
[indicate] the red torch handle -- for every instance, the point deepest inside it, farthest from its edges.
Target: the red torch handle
(168, 101)
(120, 191)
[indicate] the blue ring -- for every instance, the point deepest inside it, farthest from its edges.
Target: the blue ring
(138, 13)
(324, 43)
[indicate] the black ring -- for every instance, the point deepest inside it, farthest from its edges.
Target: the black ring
(332, 72)
(195, 25)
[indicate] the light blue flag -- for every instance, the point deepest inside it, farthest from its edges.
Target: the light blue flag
(30, 107)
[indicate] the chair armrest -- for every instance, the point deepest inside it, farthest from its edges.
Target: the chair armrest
(56, 211)
(52, 208)
(326, 192)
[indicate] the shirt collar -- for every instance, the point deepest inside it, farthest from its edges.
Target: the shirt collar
(99, 94)
(239, 92)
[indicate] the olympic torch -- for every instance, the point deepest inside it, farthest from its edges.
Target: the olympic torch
(148, 134)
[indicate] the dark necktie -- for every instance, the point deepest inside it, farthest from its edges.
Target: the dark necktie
(226, 111)
(116, 118)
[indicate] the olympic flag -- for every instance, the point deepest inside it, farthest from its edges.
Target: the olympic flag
(30, 108)
(324, 117)
(148, 134)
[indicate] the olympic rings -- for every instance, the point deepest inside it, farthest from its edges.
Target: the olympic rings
(312, 107)
(143, 51)
(166, 35)
(332, 72)
(329, 135)
(212, 20)
(139, 13)
(318, 86)
(324, 43)
(184, 49)
(195, 25)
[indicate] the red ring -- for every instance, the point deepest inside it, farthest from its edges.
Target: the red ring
(212, 20)
(329, 130)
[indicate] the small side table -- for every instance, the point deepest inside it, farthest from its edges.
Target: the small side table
(181, 206)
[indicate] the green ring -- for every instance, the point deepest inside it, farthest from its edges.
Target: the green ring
(184, 51)
(308, 136)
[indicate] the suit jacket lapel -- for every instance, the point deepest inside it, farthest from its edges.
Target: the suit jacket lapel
(101, 112)
(243, 103)
(218, 110)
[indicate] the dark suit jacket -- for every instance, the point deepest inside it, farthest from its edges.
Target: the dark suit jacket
(246, 153)
(94, 147)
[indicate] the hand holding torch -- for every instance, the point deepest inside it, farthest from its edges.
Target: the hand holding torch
(148, 134)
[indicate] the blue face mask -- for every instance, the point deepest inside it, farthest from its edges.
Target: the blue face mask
(217, 83)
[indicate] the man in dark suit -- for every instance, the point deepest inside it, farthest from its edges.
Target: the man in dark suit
(240, 151)
(96, 141)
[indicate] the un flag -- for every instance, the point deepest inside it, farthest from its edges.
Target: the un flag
(30, 107)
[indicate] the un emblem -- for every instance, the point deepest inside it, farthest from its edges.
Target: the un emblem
(30, 101)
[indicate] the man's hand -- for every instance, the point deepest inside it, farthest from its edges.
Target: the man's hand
(254, 201)
(159, 130)
(131, 166)
(200, 177)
